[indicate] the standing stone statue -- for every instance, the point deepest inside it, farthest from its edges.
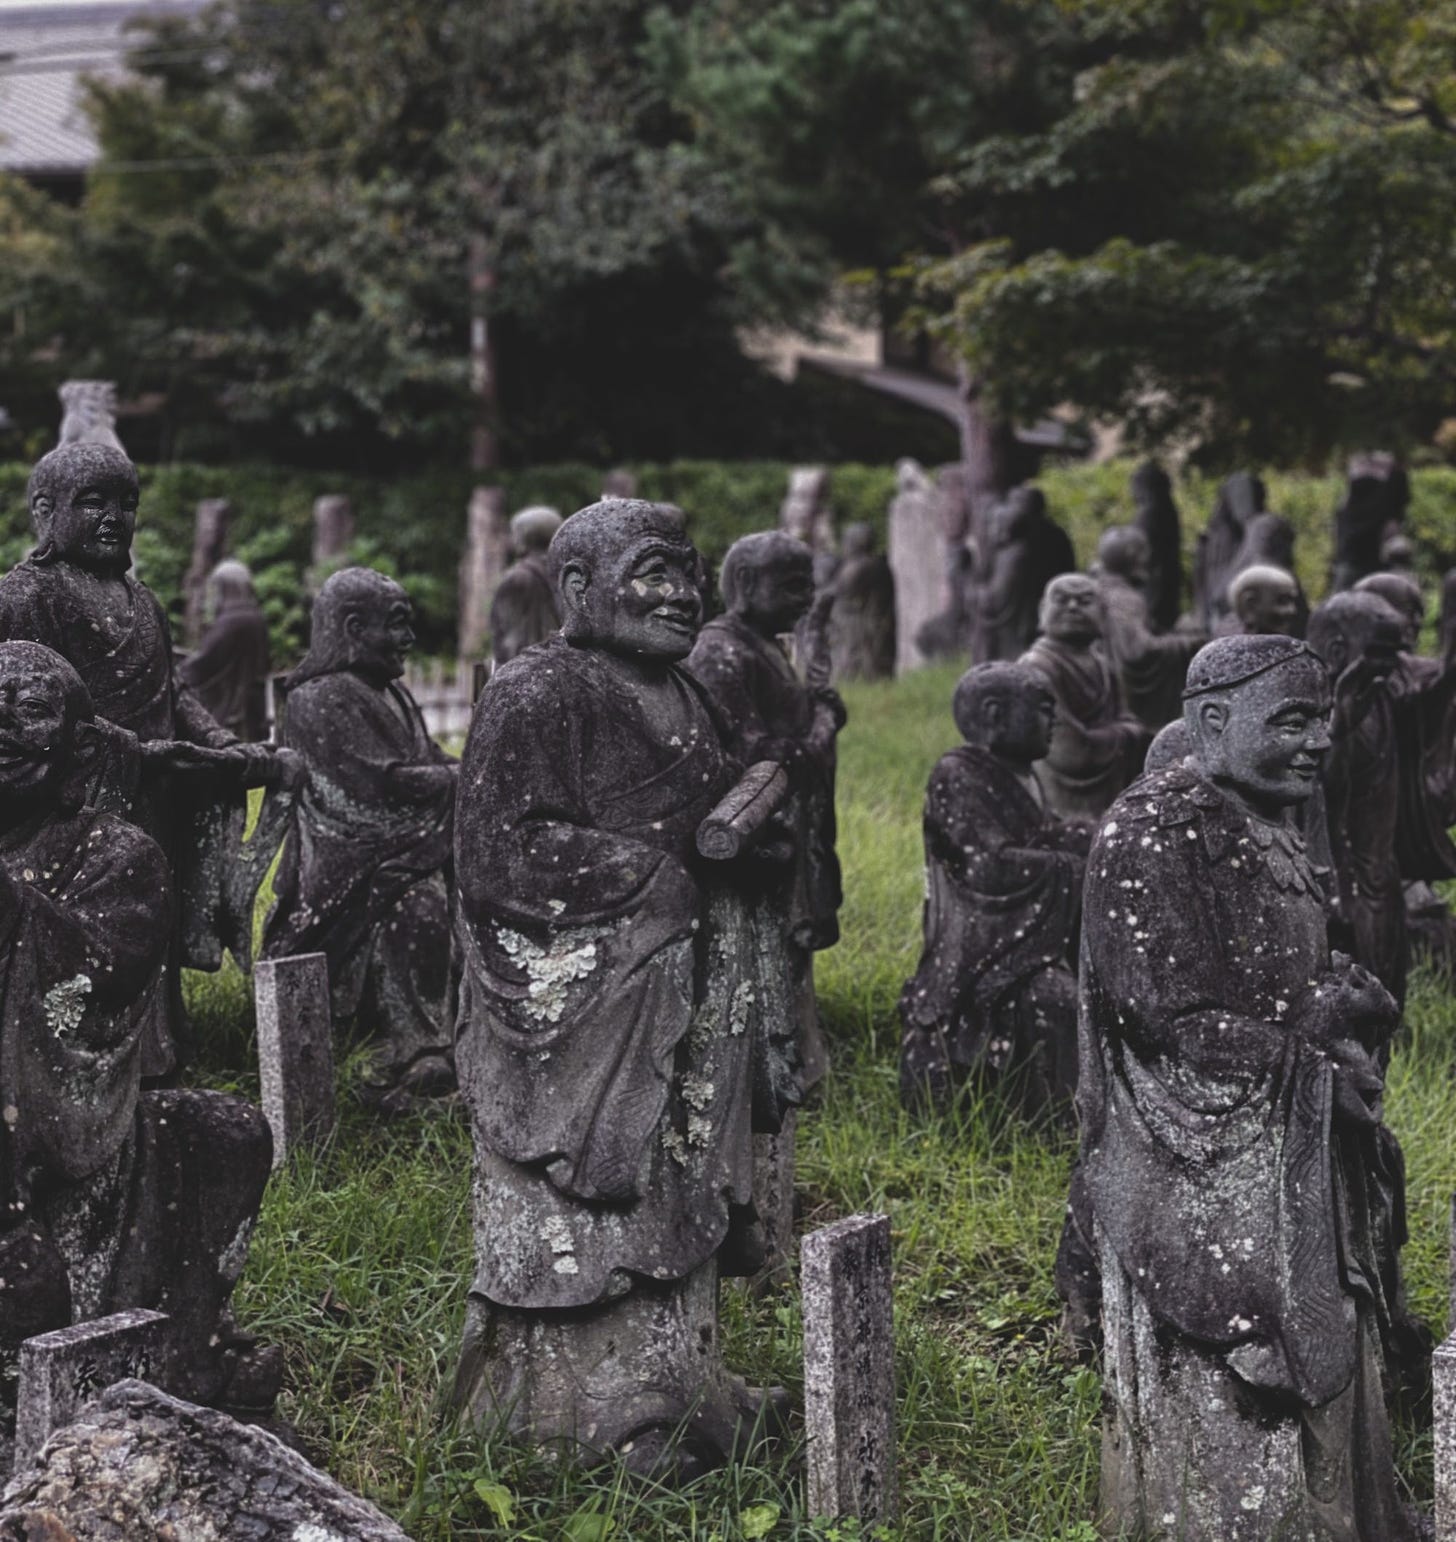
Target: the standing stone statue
(917, 562)
(1096, 745)
(364, 877)
(524, 609)
(1240, 498)
(1377, 494)
(1242, 1190)
(171, 768)
(807, 513)
(1268, 542)
(1027, 550)
(994, 997)
(112, 1199)
(862, 622)
(228, 673)
(1266, 602)
(770, 714)
(209, 544)
(88, 413)
(1150, 667)
(615, 1045)
(1157, 518)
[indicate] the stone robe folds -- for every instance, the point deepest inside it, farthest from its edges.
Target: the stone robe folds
(362, 879)
(1248, 1236)
(229, 671)
(523, 610)
(1003, 882)
(1097, 746)
(618, 1039)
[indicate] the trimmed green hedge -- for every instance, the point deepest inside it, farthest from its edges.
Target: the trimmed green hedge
(413, 527)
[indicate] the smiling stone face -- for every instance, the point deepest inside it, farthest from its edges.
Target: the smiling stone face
(41, 700)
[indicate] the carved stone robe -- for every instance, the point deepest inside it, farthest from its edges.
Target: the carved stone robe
(228, 674)
(523, 610)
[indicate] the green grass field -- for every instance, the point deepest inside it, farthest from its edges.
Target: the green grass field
(362, 1259)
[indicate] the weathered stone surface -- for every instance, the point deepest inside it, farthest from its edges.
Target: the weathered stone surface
(228, 673)
(1443, 1397)
(994, 998)
(525, 609)
(88, 412)
(626, 1024)
(947, 634)
(61, 1370)
(849, 1370)
(209, 546)
(362, 878)
(1236, 1184)
(862, 621)
(138, 1464)
(1025, 550)
(807, 513)
(916, 554)
(295, 1050)
(333, 530)
(483, 565)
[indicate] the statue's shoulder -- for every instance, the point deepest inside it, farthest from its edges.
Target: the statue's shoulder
(122, 845)
(1169, 799)
(542, 675)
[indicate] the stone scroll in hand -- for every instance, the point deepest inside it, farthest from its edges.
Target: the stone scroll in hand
(747, 806)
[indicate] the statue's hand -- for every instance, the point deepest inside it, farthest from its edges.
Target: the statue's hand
(292, 770)
(1358, 1084)
(178, 757)
(1346, 1002)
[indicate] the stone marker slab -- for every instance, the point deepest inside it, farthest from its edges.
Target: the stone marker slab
(849, 1369)
(295, 1050)
(1443, 1388)
(62, 1370)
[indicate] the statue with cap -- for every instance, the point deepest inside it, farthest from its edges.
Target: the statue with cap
(523, 610)
(1235, 1184)
(624, 1028)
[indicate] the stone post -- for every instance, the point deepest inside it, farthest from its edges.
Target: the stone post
(806, 512)
(849, 1370)
(62, 1370)
(916, 550)
(1443, 1398)
(773, 1195)
(295, 1050)
(487, 553)
(209, 542)
(333, 530)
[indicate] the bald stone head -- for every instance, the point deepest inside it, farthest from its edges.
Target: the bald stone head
(533, 528)
(1357, 627)
(1125, 552)
(858, 540)
(627, 577)
(1071, 610)
(767, 580)
(230, 583)
(47, 734)
(83, 504)
(363, 622)
(1403, 594)
(1006, 709)
(1265, 599)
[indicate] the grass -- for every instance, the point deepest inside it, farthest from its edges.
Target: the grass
(363, 1254)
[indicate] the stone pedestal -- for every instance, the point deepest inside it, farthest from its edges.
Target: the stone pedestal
(295, 1050)
(773, 1194)
(1443, 1387)
(62, 1370)
(849, 1370)
(487, 554)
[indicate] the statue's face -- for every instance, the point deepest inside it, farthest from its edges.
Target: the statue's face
(1270, 608)
(641, 602)
(92, 524)
(776, 594)
(381, 637)
(1071, 611)
(1017, 724)
(36, 734)
(1267, 738)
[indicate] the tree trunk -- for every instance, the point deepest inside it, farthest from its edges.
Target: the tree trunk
(484, 437)
(988, 448)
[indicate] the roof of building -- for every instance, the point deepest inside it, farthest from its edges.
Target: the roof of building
(46, 53)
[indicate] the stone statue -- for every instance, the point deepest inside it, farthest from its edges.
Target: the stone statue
(1157, 518)
(113, 1198)
(1151, 667)
(771, 714)
(994, 998)
(1240, 498)
(333, 532)
(170, 767)
(1097, 745)
(1377, 494)
(947, 633)
(917, 562)
(1268, 543)
(524, 608)
(209, 545)
(364, 877)
(620, 482)
(862, 621)
(1446, 621)
(807, 513)
(1242, 1191)
(88, 413)
(228, 673)
(619, 1040)
(1266, 602)
(1027, 550)
(1398, 553)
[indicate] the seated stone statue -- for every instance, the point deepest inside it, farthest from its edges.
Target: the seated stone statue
(1150, 666)
(618, 1041)
(994, 997)
(1097, 745)
(523, 610)
(1240, 1187)
(862, 622)
(1265, 602)
(364, 877)
(1027, 549)
(111, 1199)
(229, 672)
(169, 766)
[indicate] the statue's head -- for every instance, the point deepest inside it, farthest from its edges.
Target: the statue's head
(1150, 485)
(1018, 513)
(83, 505)
(1266, 601)
(1258, 716)
(858, 540)
(1007, 709)
(48, 738)
(533, 528)
(767, 580)
(1272, 537)
(1243, 495)
(1398, 553)
(1071, 610)
(1125, 552)
(230, 583)
(1403, 594)
(628, 579)
(1357, 627)
(362, 621)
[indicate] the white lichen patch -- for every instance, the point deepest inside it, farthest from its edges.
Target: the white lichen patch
(557, 1235)
(697, 1091)
(65, 1004)
(551, 971)
(740, 1008)
(308, 1531)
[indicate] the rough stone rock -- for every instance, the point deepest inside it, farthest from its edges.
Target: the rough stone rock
(295, 1050)
(140, 1466)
